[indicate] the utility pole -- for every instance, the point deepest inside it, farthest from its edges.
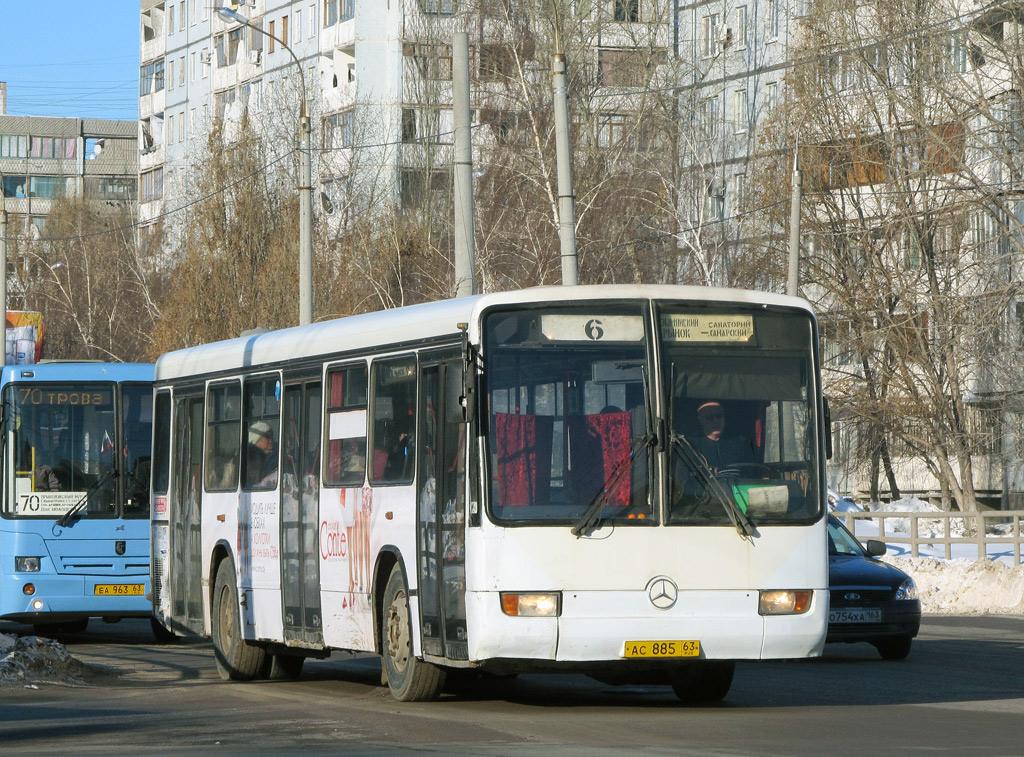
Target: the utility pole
(566, 200)
(465, 244)
(793, 281)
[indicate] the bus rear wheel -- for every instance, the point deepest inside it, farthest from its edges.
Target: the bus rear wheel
(410, 679)
(237, 659)
(703, 681)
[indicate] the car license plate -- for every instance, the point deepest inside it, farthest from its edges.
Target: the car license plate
(662, 649)
(119, 589)
(858, 615)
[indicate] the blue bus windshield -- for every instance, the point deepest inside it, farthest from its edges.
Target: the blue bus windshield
(67, 446)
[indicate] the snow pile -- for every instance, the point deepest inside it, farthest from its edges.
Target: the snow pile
(961, 586)
(28, 659)
(965, 587)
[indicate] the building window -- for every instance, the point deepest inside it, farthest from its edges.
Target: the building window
(709, 35)
(181, 126)
(227, 46)
(622, 67)
(740, 27)
(152, 185)
(330, 13)
(427, 125)
(434, 61)
(348, 10)
(170, 20)
(170, 129)
(739, 110)
(709, 117)
(297, 29)
(111, 187)
(151, 77)
(14, 186)
(312, 21)
(771, 94)
(739, 192)
(612, 130)
(284, 29)
(204, 60)
(627, 10)
(181, 71)
(272, 41)
(438, 7)
(47, 187)
(181, 16)
(338, 130)
(13, 146)
(495, 63)
(772, 18)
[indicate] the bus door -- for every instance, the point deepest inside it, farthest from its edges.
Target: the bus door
(185, 511)
(441, 513)
(300, 497)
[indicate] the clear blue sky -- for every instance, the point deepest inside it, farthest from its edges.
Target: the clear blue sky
(70, 57)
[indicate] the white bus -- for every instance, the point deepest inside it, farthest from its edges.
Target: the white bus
(514, 482)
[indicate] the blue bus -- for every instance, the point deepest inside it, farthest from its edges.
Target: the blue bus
(74, 515)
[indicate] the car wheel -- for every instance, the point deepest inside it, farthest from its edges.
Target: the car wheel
(237, 659)
(704, 681)
(894, 649)
(410, 679)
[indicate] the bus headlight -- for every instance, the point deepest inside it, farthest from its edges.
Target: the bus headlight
(784, 602)
(531, 605)
(26, 564)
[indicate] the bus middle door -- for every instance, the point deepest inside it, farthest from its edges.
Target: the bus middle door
(441, 518)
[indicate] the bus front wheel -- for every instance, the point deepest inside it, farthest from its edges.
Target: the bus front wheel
(703, 681)
(410, 679)
(237, 659)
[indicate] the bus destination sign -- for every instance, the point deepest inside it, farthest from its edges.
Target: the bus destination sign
(694, 327)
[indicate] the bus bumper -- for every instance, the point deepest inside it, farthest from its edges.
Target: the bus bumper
(49, 598)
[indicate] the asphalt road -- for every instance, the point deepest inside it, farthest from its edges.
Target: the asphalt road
(961, 691)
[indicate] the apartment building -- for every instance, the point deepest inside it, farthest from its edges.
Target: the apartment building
(43, 158)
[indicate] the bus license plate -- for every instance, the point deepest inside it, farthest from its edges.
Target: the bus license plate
(662, 649)
(858, 615)
(119, 589)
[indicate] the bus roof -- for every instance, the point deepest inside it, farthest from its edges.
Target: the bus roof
(418, 322)
(77, 371)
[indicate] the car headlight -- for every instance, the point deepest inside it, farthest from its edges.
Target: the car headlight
(907, 590)
(536, 605)
(784, 602)
(26, 564)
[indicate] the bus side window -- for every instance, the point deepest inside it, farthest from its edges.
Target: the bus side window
(223, 433)
(345, 429)
(262, 412)
(394, 420)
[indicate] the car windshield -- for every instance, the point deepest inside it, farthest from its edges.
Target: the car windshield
(841, 541)
(567, 402)
(741, 401)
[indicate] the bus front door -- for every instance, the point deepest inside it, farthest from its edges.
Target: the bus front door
(441, 510)
(300, 497)
(186, 501)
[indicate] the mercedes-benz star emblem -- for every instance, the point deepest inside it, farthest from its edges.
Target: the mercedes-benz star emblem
(663, 592)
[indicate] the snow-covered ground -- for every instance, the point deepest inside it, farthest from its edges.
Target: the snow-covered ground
(29, 660)
(962, 585)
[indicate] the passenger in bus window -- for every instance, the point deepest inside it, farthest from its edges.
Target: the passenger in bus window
(262, 461)
(46, 479)
(719, 450)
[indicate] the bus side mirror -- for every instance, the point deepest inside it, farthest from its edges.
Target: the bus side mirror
(460, 399)
(828, 427)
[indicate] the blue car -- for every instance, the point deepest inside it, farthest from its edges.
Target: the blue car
(869, 600)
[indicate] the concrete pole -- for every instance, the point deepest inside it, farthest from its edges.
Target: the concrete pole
(305, 219)
(793, 282)
(566, 201)
(465, 243)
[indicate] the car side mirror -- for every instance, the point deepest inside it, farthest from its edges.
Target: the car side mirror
(459, 390)
(875, 548)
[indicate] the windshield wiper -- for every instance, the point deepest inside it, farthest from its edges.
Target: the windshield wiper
(699, 467)
(591, 517)
(77, 507)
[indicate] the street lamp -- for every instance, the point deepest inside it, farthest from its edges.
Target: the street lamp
(305, 180)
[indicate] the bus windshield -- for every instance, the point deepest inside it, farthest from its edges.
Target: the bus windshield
(568, 409)
(740, 398)
(62, 439)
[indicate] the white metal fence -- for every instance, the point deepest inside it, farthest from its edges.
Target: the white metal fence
(995, 535)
